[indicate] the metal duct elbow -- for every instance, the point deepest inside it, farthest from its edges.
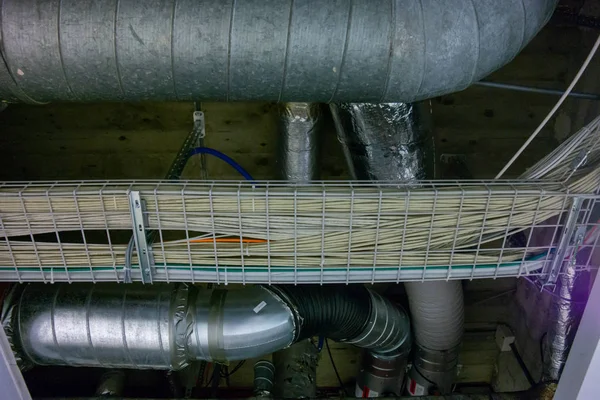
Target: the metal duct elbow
(158, 326)
(167, 326)
(269, 50)
(299, 128)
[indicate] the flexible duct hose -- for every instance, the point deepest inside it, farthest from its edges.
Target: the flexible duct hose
(335, 312)
(272, 50)
(166, 326)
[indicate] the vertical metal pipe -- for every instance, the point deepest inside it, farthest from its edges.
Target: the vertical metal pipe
(300, 126)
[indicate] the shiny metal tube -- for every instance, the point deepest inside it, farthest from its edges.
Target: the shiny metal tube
(388, 328)
(239, 324)
(133, 326)
(300, 125)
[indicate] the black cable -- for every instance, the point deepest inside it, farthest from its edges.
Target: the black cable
(234, 370)
(334, 367)
(522, 365)
(542, 348)
(216, 381)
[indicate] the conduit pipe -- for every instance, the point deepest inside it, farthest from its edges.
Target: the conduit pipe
(271, 50)
(392, 142)
(165, 326)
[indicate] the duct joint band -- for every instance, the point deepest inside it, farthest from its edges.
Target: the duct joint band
(216, 343)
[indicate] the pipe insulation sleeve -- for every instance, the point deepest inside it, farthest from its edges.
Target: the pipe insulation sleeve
(269, 50)
(437, 311)
(166, 326)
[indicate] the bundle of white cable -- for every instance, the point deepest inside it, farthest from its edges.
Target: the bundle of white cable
(305, 228)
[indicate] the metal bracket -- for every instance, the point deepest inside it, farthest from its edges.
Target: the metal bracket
(568, 238)
(199, 127)
(144, 250)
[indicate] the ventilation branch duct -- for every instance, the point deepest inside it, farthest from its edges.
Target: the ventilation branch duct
(166, 326)
(297, 160)
(270, 50)
(298, 155)
(393, 142)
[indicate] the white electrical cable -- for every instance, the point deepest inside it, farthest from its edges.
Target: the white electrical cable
(554, 109)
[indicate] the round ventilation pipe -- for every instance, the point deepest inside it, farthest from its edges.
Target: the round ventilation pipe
(271, 50)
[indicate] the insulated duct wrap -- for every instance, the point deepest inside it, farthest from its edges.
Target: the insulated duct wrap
(388, 141)
(166, 326)
(271, 50)
(565, 314)
(546, 320)
(300, 125)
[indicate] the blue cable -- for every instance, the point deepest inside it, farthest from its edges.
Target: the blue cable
(227, 159)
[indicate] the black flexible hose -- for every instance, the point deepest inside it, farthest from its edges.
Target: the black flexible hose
(338, 312)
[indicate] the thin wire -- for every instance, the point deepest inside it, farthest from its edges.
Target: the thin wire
(234, 370)
(337, 374)
(552, 293)
(554, 109)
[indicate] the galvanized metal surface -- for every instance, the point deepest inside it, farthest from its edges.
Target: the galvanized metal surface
(302, 50)
(158, 326)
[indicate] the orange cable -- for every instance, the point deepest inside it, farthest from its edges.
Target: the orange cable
(227, 240)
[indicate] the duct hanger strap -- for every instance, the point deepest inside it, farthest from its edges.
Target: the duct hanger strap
(144, 251)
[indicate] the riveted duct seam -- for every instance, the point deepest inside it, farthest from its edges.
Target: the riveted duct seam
(271, 50)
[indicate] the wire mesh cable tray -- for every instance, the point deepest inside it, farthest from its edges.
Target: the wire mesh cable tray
(275, 232)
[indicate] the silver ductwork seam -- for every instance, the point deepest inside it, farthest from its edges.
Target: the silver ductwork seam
(260, 50)
(165, 326)
(300, 125)
(393, 142)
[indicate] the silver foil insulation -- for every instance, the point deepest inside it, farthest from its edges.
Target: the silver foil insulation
(385, 141)
(300, 125)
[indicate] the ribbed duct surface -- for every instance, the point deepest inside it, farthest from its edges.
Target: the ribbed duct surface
(277, 50)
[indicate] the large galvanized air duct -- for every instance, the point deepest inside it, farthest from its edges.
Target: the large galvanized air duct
(272, 50)
(392, 142)
(166, 326)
